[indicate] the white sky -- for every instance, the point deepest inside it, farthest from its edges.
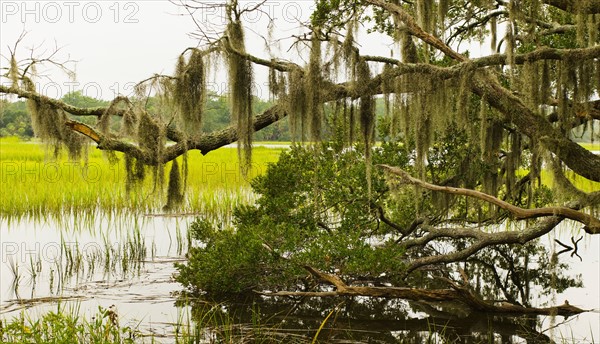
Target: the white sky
(118, 43)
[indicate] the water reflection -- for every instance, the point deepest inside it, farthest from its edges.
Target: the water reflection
(355, 320)
(144, 296)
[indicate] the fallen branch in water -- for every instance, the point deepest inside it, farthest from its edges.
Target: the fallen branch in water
(455, 293)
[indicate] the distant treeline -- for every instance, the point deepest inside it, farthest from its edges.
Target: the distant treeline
(16, 121)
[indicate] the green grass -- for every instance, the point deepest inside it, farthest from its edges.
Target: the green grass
(581, 183)
(590, 146)
(37, 185)
(67, 326)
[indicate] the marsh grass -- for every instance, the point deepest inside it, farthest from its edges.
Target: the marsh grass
(591, 146)
(67, 325)
(39, 186)
(210, 324)
(77, 262)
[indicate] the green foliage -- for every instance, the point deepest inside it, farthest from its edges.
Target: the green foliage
(227, 262)
(76, 98)
(313, 210)
(67, 327)
(15, 120)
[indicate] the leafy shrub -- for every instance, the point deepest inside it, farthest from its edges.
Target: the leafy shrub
(314, 209)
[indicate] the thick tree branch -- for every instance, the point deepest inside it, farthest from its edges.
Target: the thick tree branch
(537, 128)
(480, 22)
(416, 30)
(455, 293)
(485, 85)
(74, 110)
(592, 224)
(84, 129)
(576, 6)
(212, 141)
(481, 241)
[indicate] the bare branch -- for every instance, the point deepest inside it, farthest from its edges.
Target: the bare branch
(592, 224)
(77, 111)
(456, 293)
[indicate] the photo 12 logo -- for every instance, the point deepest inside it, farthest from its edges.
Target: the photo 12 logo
(255, 11)
(69, 12)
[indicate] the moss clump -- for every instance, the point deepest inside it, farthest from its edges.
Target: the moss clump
(240, 90)
(174, 189)
(189, 91)
(296, 104)
(48, 124)
(313, 87)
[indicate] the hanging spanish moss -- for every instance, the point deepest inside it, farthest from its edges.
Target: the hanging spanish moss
(422, 125)
(463, 100)
(562, 90)
(130, 122)
(48, 124)
(532, 86)
(492, 142)
(585, 90)
(240, 91)
(313, 86)
(387, 87)
(104, 122)
(510, 47)
(189, 91)
(597, 73)
(408, 49)
(494, 34)
(426, 20)
(334, 49)
(403, 110)
(135, 172)
(545, 82)
(174, 189)
(442, 10)
(562, 184)
(367, 115)
(512, 163)
(297, 104)
(151, 138)
(13, 72)
(349, 53)
(582, 34)
(277, 84)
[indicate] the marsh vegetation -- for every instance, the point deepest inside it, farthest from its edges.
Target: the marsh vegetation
(476, 201)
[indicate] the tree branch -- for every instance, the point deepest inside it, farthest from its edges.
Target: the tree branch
(455, 293)
(416, 30)
(77, 111)
(482, 240)
(576, 6)
(592, 224)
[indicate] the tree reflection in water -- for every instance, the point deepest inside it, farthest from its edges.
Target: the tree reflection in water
(354, 320)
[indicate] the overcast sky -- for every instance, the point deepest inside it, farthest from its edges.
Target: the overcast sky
(118, 43)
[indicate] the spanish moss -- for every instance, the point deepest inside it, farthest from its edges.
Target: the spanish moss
(48, 124)
(174, 188)
(190, 91)
(313, 88)
(240, 91)
(297, 104)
